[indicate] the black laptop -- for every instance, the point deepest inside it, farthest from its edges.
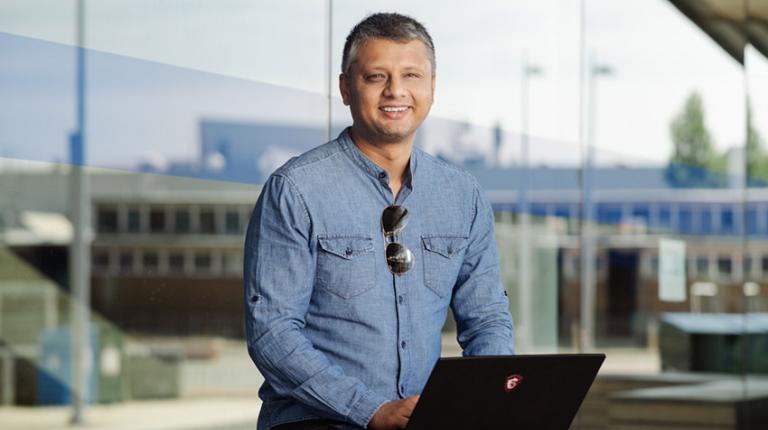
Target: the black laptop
(516, 392)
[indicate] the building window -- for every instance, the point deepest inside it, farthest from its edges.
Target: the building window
(207, 221)
(705, 220)
(752, 223)
(702, 266)
(157, 220)
(726, 220)
(233, 263)
(747, 265)
(724, 267)
(232, 221)
(764, 264)
(126, 261)
(685, 220)
(106, 220)
(101, 260)
(641, 213)
(150, 261)
(203, 261)
(665, 217)
(133, 220)
(609, 213)
(182, 220)
(176, 262)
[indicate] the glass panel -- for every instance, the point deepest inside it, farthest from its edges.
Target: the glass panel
(627, 176)
(754, 288)
(664, 115)
(170, 114)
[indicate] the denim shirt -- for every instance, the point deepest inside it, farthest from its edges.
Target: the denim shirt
(333, 332)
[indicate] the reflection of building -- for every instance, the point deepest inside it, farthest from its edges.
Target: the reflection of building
(634, 208)
(167, 255)
(167, 251)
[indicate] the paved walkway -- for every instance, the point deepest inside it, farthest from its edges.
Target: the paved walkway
(179, 414)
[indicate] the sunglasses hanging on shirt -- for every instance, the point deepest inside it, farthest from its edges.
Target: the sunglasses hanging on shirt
(399, 258)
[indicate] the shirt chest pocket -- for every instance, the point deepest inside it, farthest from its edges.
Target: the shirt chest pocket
(345, 265)
(443, 255)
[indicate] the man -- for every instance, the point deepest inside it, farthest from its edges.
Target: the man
(357, 248)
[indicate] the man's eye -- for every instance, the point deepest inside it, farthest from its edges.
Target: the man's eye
(413, 75)
(375, 77)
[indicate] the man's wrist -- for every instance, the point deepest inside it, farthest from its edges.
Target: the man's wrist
(364, 409)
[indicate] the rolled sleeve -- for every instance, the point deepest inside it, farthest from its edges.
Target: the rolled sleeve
(279, 272)
(479, 302)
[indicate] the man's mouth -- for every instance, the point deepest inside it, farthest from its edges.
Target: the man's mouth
(394, 112)
(394, 108)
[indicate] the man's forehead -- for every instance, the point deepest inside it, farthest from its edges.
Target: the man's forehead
(383, 52)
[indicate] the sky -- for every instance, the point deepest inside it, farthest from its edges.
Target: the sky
(268, 60)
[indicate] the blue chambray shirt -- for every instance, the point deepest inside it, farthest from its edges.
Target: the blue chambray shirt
(334, 333)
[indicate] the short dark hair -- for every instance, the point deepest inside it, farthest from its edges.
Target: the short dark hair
(391, 26)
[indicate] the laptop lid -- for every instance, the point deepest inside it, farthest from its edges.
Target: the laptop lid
(505, 392)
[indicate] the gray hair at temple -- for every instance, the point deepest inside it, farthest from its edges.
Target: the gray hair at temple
(390, 26)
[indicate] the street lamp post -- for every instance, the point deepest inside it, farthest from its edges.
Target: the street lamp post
(524, 237)
(79, 255)
(588, 228)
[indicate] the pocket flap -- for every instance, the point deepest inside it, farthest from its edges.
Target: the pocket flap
(447, 246)
(346, 247)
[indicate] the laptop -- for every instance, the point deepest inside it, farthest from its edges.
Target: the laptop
(505, 392)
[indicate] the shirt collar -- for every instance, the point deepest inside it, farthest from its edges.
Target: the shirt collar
(369, 166)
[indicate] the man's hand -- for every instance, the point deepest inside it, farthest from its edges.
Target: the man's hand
(393, 415)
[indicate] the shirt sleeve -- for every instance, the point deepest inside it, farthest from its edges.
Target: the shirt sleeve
(279, 274)
(480, 305)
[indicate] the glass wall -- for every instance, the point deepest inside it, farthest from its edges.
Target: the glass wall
(621, 144)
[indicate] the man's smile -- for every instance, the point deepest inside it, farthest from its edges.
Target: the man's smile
(394, 112)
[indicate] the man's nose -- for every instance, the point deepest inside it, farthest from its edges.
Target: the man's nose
(394, 88)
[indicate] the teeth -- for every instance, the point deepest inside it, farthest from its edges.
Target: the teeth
(394, 109)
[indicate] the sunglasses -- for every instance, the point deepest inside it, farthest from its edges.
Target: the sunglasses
(399, 257)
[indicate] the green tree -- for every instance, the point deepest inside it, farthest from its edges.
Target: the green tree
(694, 160)
(757, 159)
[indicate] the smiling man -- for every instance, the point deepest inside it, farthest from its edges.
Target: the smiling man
(357, 249)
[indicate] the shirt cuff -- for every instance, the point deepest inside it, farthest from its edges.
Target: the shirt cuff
(364, 409)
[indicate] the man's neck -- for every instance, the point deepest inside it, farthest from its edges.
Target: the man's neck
(392, 157)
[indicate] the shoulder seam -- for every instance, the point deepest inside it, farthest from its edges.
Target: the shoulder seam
(304, 163)
(296, 189)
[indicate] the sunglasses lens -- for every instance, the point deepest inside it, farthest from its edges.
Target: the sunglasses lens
(399, 258)
(393, 219)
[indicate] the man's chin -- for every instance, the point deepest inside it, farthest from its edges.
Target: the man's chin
(392, 136)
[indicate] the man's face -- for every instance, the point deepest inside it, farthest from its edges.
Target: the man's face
(389, 90)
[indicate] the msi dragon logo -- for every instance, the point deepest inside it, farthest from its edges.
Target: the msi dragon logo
(512, 382)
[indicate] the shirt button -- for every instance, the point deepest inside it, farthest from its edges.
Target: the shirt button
(382, 175)
(402, 344)
(348, 251)
(401, 299)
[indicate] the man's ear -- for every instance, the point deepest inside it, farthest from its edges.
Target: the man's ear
(344, 88)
